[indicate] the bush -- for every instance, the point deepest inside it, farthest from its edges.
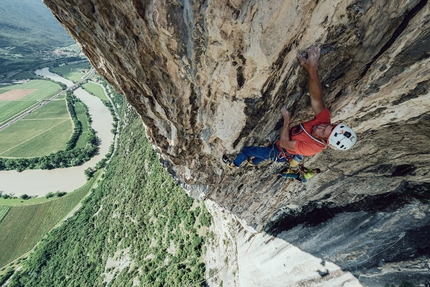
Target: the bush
(6, 276)
(60, 194)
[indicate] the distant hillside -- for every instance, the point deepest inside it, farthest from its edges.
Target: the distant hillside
(29, 25)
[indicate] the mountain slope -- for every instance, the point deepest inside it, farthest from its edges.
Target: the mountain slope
(137, 227)
(30, 26)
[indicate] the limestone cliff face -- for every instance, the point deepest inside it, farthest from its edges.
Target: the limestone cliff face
(209, 77)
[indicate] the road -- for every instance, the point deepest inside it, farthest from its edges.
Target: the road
(44, 102)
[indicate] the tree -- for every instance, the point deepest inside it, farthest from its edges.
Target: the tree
(49, 195)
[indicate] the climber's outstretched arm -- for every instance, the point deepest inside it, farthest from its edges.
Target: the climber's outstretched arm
(315, 88)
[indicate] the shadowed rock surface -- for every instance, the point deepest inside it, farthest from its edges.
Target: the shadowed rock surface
(209, 77)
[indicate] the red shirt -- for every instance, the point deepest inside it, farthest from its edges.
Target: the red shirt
(305, 145)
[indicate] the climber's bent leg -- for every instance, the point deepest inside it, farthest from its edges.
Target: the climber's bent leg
(258, 153)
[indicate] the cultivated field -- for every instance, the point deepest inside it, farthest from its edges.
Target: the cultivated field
(96, 90)
(44, 131)
(55, 109)
(72, 72)
(3, 211)
(15, 95)
(24, 226)
(17, 98)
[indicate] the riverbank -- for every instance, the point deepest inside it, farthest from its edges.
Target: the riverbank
(41, 182)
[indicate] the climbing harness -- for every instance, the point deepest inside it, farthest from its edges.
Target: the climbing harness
(281, 153)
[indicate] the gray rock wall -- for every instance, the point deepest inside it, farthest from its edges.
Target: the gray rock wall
(209, 77)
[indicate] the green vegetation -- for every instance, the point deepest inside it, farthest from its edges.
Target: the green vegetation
(11, 200)
(77, 131)
(28, 34)
(41, 144)
(44, 89)
(33, 135)
(3, 278)
(73, 72)
(24, 226)
(114, 96)
(25, 75)
(137, 215)
(30, 25)
(11, 108)
(70, 156)
(4, 209)
(84, 118)
(95, 90)
(55, 109)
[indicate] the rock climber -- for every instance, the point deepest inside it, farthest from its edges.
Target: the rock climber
(305, 139)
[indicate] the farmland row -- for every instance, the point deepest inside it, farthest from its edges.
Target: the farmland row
(4, 209)
(11, 108)
(40, 104)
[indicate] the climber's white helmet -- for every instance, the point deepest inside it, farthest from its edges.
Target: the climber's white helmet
(342, 137)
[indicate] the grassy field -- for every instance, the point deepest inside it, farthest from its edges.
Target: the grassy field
(33, 135)
(73, 72)
(11, 108)
(24, 226)
(45, 89)
(4, 209)
(20, 202)
(55, 109)
(96, 90)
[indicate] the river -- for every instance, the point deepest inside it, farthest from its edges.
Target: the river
(41, 182)
(47, 74)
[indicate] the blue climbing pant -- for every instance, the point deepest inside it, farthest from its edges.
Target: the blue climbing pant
(263, 153)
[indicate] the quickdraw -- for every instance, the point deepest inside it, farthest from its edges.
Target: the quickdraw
(282, 153)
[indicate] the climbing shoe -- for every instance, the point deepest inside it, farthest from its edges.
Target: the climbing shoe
(250, 162)
(227, 161)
